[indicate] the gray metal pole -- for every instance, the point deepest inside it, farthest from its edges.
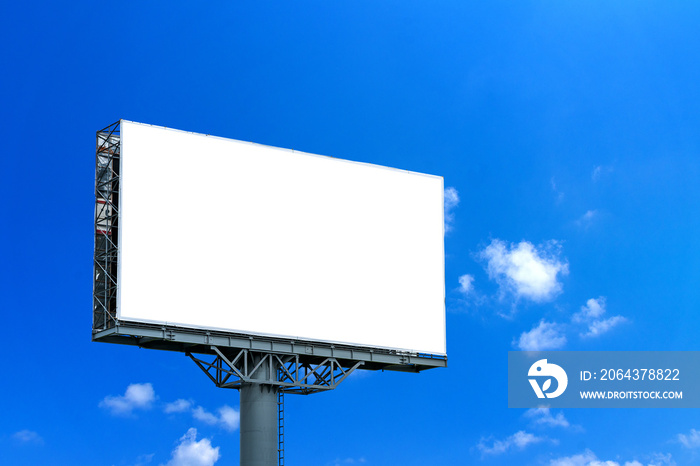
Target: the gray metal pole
(258, 429)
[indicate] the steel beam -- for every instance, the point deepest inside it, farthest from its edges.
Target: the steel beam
(288, 373)
(197, 341)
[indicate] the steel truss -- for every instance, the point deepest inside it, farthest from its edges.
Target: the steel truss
(106, 227)
(289, 372)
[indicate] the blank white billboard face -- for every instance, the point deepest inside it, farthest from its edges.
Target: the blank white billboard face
(228, 235)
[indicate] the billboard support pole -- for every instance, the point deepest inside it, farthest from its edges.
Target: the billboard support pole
(261, 378)
(259, 418)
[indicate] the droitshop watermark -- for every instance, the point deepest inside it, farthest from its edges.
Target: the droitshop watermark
(604, 379)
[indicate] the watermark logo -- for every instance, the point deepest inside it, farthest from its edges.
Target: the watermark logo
(604, 379)
(542, 368)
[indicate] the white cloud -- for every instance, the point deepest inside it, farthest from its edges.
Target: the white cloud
(546, 336)
(228, 417)
(205, 416)
(177, 406)
(600, 327)
(599, 171)
(525, 270)
(591, 315)
(137, 396)
(542, 416)
(559, 194)
(595, 176)
(191, 452)
(661, 459)
(518, 440)
(466, 284)
(583, 459)
(341, 462)
(587, 219)
(451, 201)
(28, 437)
(691, 440)
(143, 460)
(593, 309)
(588, 458)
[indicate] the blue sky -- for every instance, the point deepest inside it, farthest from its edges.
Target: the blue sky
(569, 132)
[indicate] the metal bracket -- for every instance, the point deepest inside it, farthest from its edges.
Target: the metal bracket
(291, 373)
(106, 227)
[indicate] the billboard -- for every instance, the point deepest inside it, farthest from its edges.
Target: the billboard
(228, 235)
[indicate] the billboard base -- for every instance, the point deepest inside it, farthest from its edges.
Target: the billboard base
(203, 342)
(259, 416)
(262, 379)
(287, 373)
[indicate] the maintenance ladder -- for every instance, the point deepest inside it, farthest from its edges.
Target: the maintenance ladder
(280, 428)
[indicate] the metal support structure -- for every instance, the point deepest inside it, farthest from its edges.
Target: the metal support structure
(280, 428)
(259, 417)
(106, 227)
(290, 372)
(201, 341)
(263, 379)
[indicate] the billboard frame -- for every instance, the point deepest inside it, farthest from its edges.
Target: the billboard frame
(106, 232)
(196, 341)
(107, 327)
(261, 367)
